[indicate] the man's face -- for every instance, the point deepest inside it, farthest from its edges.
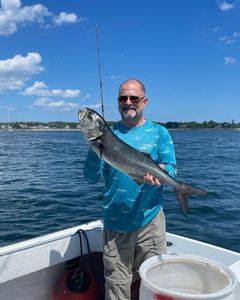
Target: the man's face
(131, 101)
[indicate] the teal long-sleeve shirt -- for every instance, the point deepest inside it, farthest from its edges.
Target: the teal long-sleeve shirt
(126, 205)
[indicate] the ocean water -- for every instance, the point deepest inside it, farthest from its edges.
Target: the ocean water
(42, 188)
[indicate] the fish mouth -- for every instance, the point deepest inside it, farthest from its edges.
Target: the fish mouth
(81, 113)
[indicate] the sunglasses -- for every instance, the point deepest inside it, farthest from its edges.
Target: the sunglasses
(133, 99)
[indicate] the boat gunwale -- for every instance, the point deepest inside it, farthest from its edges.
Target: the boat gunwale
(48, 238)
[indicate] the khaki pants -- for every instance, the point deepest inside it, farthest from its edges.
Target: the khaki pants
(123, 254)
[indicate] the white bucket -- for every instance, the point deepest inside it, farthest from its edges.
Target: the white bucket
(186, 277)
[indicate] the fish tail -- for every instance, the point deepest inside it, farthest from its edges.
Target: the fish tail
(184, 193)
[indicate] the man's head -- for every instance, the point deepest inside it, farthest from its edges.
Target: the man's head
(131, 102)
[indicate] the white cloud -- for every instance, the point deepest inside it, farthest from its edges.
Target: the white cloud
(94, 106)
(116, 77)
(65, 93)
(236, 34)
(39, 88)
(47, 100)
(229, 39)
(64, 18)
(10, 4)
(226, 39)
(9, 109)
(86, 97)
(13, 15)
(230, 60)
(50, 104)
(223, 38)
(42, 101)
(14, 72)
(224, 5)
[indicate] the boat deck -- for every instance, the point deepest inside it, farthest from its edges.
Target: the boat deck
(30, 269)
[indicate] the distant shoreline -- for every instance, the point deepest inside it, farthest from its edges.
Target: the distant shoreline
(38, 130)
(70, 126)
(71, 130)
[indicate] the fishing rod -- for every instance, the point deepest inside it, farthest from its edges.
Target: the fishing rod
(99, 71)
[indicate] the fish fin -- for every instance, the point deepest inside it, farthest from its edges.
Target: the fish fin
(184, 193)
(191, 190)
(183, 202)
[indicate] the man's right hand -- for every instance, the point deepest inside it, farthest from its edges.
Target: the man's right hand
(150, 179)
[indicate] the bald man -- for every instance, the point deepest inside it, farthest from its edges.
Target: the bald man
(133, 217)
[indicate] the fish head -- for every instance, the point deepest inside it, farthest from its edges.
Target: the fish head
(92, 124)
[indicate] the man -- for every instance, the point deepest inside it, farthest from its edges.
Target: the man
(134, 222)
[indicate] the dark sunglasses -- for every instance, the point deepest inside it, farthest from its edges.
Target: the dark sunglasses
(133, 99)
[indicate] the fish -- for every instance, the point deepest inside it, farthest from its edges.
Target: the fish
(127, 159)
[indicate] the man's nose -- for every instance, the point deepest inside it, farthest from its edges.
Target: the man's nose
(128, 101)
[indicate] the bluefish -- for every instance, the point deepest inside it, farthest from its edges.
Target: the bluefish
(125, 158)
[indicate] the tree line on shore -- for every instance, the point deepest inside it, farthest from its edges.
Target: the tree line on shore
(74, 125)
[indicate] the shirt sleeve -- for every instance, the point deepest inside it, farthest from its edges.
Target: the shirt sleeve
(166, 153)
(93, 167)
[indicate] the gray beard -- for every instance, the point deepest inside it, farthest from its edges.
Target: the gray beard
(131, 114)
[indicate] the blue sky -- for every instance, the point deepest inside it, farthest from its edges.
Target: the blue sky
(187, 53)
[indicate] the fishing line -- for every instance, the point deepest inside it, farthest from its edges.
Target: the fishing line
(99, 71)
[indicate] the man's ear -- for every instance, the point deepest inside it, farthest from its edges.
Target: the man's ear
(145, 101)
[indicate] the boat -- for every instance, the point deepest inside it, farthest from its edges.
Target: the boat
(29, 270)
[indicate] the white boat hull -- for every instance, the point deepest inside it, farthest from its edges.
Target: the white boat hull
(29, 269)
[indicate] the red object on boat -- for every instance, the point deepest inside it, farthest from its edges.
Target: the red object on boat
(163, 297)
(76, 285)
